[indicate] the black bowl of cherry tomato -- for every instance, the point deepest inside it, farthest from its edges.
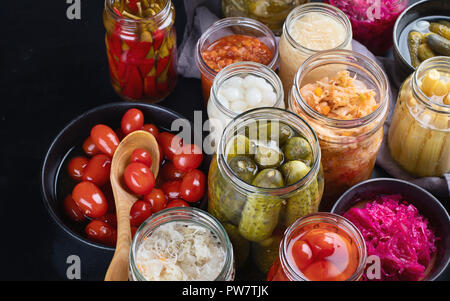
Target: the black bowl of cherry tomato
(75, 174)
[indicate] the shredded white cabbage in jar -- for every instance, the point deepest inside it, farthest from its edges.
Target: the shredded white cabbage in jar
(181, 251)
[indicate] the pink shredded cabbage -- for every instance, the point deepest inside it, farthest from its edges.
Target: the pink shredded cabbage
(396, 232)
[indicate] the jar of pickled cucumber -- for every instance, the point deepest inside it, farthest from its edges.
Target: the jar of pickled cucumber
(419, 134)
(270, 12)
(343, 95)
(265, 175)
(141, 47)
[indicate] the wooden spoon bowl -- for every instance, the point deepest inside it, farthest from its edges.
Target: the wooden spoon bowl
(118, 268)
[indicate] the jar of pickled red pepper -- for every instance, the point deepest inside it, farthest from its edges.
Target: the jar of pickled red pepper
(141, 48)
(419, 134)
(372, 21)
(320, 247)
(343, 95)
(265, 175)
(270, 12)
(232, 40)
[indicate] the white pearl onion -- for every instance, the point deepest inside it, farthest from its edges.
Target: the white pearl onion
(253, 96)
(238, 106)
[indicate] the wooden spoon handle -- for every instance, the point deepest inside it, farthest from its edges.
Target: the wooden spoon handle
(118, 268)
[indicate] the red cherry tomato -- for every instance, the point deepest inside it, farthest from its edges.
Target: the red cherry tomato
(192, 186)
(89, 147)
(141, 155)
(110, 219)
(177, 203)
(132, 120)
(152, 129)
(188, 157)
(170, 144)
(169, 173)
(321, 242)
(322, 270)
(90, 199)
(139, 212)
(139, 178)
(76, 167)
(72, 209)
(302, 254)
(157, 199)
(171, 189)
(97, 170)
(105, 139)
(100, 231)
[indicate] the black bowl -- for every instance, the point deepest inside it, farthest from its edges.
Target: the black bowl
(426, 203)
(68, 142)
(426, 8)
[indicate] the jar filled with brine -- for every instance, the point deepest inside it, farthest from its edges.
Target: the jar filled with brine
(270, 12)
(141, 46)
(238, 88)
(309, 29)
(419, 134)
(344, 96)
(181, 244)
(265, 175)
(320, 247)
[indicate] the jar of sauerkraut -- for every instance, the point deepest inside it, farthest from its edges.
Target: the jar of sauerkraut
(308, 29)
(343, 95)
(419, 134)
(183, 243)
(238, 88)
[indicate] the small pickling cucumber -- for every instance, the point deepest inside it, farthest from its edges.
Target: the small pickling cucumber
(439, 44)
(414, 40)
(425, 52)
(440, 29)
(265, 252)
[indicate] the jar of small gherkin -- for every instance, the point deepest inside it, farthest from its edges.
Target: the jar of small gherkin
(141, 48)
(265, 175)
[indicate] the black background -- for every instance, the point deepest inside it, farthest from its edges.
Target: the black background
(52, 69)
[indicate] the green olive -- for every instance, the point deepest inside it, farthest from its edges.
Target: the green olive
(244, 168)
(297, 148)
(239, 145)
(268, 156)
(294, 171)
(269, 178)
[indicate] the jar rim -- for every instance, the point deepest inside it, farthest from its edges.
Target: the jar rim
(331, 218)
(268, 113)
(234, 69)
(186, 214)
(230, 22)
(159, 16)
(330, 10)
(325, 58)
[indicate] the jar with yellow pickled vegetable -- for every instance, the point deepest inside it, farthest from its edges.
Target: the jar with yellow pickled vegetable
(265, 175)
(270, 12)
(419, 134)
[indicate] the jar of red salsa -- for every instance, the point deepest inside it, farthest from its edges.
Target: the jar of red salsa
(232, 40)
(141, 48)
(320, 247)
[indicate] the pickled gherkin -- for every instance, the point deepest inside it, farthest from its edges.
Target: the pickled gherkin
(265, 252)
(239, 145)
(304, 202)
(294, 171)
(414, 40)
(241, 246)
(268, 156)
(297, 148)
(244, 168)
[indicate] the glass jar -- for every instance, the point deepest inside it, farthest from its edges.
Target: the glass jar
(335, 33)
(189, 215)
(284, 268)
(142, 51)
(270, 12)
(256, 217)
(419, 134)
(219, 114)
(349, 147)
(372, 21)
(227, 27)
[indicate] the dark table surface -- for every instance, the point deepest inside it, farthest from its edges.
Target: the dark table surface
(53, 69)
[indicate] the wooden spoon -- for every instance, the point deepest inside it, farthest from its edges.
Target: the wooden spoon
(118, 268)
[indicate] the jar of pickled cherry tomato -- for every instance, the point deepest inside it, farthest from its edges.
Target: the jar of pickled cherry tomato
(320, 247)
(232, 40)
(419, 134)
(141, 48)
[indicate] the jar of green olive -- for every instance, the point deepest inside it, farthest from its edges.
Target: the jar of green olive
(265, 175)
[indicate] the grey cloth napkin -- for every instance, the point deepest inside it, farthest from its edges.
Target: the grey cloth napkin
(202, 13)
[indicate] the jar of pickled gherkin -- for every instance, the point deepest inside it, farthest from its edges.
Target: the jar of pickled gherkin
(265, 175)
(270, 12)
(141, 48)
(343, 95)
(419, 134)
